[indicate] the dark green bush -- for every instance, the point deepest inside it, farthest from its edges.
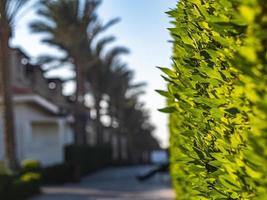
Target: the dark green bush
(88, 158)
(57, 174)
(31, 166)
(217, 99)
(6, 182)
(19, 188)
(28, 184)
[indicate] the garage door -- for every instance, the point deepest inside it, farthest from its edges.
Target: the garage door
(45, 144)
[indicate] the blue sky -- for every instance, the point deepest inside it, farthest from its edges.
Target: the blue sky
(143, 29)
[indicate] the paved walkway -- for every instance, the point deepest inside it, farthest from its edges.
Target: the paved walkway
(113, 184)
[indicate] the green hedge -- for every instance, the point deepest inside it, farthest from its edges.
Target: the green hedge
(23, 185)
(57, 174)
(217, 99)
(19, 188)
(79, 161)
(31, 166)
(88, 158)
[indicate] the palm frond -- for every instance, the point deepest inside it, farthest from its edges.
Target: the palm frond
(41, 27)
(110, 23)
(89, 10)
(47, 59)
(113, 54)
(102, 43)
(98, 28)
(9, 9)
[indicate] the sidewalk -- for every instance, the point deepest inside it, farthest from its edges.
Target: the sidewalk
(113, 184)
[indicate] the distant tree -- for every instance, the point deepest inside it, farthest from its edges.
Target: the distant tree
(119, 83)
(138, 129)
(8, 13)
(120, 88)
(128, 117)
(99, 78)
(72, 26)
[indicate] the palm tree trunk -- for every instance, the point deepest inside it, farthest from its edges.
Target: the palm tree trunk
(120, 133)
(80, 115)
(120, 157)
(79, 111)
(6, 90)
(98, 126)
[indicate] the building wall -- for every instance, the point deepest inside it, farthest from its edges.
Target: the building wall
(18, 75)
(45, 143)
(31, 78)
(52, 132)
(39, 135)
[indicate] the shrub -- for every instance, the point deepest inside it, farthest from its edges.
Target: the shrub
(217, 99)
(31, 166)
(14, 188)
(5, 186)
(21, 186)
(3, 169)
(88, 158)
(57, 174)
(28, 184)
(30, 177)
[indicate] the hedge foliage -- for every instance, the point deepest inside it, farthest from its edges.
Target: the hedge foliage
(88, 158)
(217, 99)
(21, 186)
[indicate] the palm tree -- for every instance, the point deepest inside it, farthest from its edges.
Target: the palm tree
(99, 76)
(8, 12)
(72, 25)
(122, 92)
(138, 129)
(121, 87)
(117, 87)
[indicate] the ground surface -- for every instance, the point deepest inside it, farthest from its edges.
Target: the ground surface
(113, 184)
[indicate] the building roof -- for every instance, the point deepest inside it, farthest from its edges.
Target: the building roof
(20, 91)
(36, 99)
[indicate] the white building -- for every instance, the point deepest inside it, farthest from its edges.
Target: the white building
(42, 129)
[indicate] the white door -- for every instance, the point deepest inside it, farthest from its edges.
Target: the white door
(45, 143)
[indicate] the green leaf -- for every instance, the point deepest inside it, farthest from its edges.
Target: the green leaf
(248, 53)
(168, 72)
(248, 13)
(164, 93)
(168, 109)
